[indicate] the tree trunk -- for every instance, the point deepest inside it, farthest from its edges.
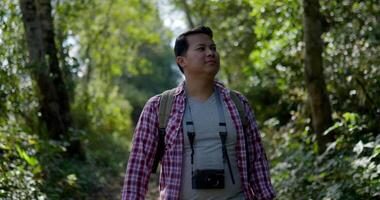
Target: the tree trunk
(188, 14)
(318, 97)
(54, 99)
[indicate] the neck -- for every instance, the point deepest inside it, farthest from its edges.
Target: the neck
(199, 89)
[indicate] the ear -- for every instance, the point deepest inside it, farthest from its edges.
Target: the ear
(181, 61)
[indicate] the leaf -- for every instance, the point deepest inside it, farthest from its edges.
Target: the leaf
(376, 151)
(359, 147)
(71, 179)
(350, 117)
(30, 160)
(331, 128)
(37, 169)
(369, 145)
(4, 146)
(362, 162)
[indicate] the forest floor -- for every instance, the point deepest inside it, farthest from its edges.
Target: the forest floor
(113, 190)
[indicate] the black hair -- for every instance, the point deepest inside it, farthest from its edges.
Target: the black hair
(181, 45)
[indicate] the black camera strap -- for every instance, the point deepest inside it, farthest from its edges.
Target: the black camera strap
(222, 133)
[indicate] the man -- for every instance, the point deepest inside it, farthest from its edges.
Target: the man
(208, 154)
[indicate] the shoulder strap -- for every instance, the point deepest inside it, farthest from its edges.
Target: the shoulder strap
(166, 104)
(240, 107)
(244, 120)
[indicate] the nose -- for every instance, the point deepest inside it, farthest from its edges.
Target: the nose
(210, 52)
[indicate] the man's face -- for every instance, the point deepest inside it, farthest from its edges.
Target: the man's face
(201, 58)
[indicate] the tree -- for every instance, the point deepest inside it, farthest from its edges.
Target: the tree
(53, 98)
(188, 13)
(316, 87)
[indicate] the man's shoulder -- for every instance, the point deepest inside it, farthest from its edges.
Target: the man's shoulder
(235, 93)
(230, 91)
(156, 99)
(170, 92)
(238, 94)
(153, 101)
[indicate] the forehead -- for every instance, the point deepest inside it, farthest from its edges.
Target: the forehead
(199, 39)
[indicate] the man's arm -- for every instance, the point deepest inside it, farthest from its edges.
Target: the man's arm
(259, 177)
(145, 140)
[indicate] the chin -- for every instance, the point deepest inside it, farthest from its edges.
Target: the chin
(213, 72)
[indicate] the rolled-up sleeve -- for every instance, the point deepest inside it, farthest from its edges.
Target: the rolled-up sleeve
(145, 140)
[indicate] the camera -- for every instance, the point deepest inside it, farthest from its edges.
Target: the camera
(208, 179)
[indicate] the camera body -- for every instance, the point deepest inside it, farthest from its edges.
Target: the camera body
(208, 179)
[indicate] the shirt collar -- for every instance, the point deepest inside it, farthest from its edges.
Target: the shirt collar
(224, 91)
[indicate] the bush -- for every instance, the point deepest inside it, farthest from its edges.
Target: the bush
(20, 169)
(348, 169)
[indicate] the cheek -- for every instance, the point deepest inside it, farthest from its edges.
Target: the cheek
(198, 57)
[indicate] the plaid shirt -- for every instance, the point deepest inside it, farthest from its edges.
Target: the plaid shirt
(256, 185)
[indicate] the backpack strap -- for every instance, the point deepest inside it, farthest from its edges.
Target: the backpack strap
(166, 104)
(244, 120)
(240, 107)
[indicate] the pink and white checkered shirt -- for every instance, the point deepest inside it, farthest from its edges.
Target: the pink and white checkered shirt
(256, 185)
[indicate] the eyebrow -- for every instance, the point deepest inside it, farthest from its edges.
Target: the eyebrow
(202, 44)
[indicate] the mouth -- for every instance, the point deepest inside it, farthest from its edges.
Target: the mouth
(211, 61)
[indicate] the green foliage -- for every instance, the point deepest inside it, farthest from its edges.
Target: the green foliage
(14, 81)
(266, 64)
(20, 169)
(21, 175)
(116, 54)
(93, 178)
(105, 112)
(348, 169)
(103, 124)
(351, 58)
(107, 51)
(121, 43)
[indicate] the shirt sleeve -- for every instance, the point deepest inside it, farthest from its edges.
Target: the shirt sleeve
(145, 140)
(259, 167)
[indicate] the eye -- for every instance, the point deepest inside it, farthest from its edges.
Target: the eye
(201, 48)
(213, 48)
